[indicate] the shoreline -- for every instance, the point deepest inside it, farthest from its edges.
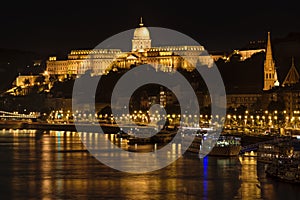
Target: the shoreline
(106, 128)
(58, 127)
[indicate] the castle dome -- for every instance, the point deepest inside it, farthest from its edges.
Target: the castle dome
(141, 33)
(141, 38)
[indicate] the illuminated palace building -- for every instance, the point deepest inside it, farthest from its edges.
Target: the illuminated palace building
(100, 61)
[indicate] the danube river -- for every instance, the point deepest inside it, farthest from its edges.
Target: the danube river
(56, 165)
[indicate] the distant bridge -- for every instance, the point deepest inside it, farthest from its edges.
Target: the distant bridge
(15, 115)
(254, 147)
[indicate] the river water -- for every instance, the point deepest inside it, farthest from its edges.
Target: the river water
(56, 165)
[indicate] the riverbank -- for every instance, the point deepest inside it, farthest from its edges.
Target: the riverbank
(106, 128)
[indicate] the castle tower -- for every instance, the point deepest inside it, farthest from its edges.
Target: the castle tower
(270, 75)
(141, 38)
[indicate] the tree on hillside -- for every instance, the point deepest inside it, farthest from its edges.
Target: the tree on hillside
(39, 80)
(26, 82)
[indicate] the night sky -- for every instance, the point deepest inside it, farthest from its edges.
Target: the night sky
(55, 27)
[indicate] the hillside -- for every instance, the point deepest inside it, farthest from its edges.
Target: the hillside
(13, 62)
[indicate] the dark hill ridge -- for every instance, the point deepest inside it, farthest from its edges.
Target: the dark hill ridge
(244, 76)
(284, 49)
(13, 62)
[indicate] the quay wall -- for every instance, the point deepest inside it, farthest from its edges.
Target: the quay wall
(59, 127)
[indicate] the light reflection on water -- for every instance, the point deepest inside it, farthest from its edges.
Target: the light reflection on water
(56, 165)
(250, 186)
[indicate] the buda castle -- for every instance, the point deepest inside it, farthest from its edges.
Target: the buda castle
(101, 61)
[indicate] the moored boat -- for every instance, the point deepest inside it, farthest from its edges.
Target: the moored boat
(224, 145)
(285, 166)
(162, 137)
(285, 169)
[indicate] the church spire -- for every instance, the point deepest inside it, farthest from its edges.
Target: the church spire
(270, 75)
(269, 56)
(292, 76)
(141, 22)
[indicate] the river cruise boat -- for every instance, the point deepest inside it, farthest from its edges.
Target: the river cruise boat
(224, 145)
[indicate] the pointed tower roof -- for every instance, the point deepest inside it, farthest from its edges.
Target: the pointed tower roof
(292, 76)
(270, 74)
(269, 57)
